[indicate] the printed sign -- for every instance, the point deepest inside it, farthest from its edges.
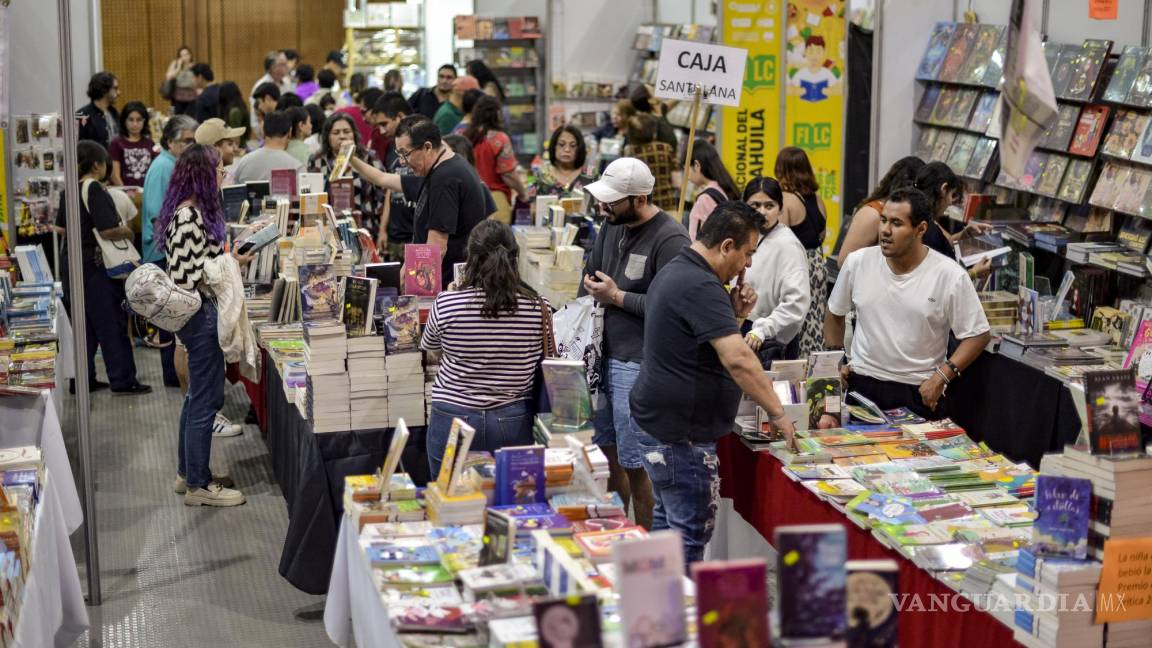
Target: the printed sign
(750, 132)
(717, 70)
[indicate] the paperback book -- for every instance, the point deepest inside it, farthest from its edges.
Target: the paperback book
(421, 270)
(812, 581)
(1089, 129)
(1063, 505)
(937, 49)
(450, 478)
(731, 603)
(1113, 412)
(872, 589)
(649, 579)
(319, 292)
(520, 475)
(359, 302)
(568, 622)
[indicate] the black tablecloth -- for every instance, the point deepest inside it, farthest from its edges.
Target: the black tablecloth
(310, 469)
(1019, 410)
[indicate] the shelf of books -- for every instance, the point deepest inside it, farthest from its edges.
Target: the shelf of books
(377, 40)
(514, 49)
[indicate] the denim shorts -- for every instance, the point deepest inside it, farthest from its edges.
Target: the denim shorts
(613, 422)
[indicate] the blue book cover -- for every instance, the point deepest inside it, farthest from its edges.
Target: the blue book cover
(387, 555)
(522, 510)
(520, 475)
(812, 581)
(1062, 506)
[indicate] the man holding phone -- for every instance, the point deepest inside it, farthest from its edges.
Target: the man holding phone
(635, 241)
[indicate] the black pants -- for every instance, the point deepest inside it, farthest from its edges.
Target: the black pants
(168, 352)
(106, 325)
(891, 395)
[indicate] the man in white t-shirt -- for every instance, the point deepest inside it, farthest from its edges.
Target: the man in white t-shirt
(907, 298)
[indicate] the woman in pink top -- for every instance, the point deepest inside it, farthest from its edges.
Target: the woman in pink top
(708, 172)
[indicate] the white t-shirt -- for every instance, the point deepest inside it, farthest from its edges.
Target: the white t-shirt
(902, 321)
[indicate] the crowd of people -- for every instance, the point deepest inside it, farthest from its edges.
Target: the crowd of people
(695, 308)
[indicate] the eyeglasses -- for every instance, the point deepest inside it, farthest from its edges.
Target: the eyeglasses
(405, 154)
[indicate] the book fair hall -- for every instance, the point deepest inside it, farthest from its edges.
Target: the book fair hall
(559, 324)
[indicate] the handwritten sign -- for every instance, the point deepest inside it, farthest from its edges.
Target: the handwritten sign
(717, 70)
(1125, 592)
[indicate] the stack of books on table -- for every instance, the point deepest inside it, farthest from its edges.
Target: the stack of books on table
(1082, 252)
(1066, 580)
(405, 388)
(1000, 307)
(1017, 345)
(1121, 492)
(26, 366)
(467, 508)
(326, 396)
(368, 382)
(1130, 634)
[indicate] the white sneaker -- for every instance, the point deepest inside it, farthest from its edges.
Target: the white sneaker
(213, 495)
(222, 427)
(180, 486)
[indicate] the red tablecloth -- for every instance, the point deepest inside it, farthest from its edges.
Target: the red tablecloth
(767, 498)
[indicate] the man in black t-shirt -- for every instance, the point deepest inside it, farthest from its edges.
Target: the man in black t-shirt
(426, 101)
(397, 225)
(696, 365)
(449, 197)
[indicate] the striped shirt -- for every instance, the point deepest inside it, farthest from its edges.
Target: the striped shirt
(486, 362)
(187, 247)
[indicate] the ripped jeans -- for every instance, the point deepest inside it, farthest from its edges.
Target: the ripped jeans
(686, 485)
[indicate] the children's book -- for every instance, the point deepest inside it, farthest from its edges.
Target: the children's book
(1062, 506)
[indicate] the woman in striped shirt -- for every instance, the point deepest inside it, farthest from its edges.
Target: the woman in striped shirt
(490, 331)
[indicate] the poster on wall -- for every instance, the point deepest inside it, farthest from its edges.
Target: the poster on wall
(750, 132)
(814, 106)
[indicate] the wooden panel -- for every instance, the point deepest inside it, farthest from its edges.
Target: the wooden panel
(140, 38)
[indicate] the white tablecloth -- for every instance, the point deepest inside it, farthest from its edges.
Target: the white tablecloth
(35, 420)
(734, 539)
(354, 605)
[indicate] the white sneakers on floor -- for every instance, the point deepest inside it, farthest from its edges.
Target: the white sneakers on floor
(213, 495)
(180, 486)
(222, 427)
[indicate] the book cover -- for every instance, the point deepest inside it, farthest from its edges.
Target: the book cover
(1049, 182)
(1062, 507)
(1063, 65)
(649, 579)
(395, 449)
(943, 146)
(962, 42)
(1142, 152)
(359, 301)
(1089, 129)
(282, 183)
(421, 273)
(944, 106)
(1141, 93)
(1060, 134)
(923, 110)
(1075, 181)
(812, 581)
(393, 555)
(994, 74)
(926, 142)
(387, 273)
(341, 195)
(1130, 63)
(1140, 353)
(731, 603)
(496, 544)
(1133, 135)
(962, 108)
(1032, 169)
(342, 162)
(1131, 193)
(445, 619)
(934, 54)
(235, 202)
(1108, 185)
(982, 114)
(455, 453)
(1089, 61)
(974, 69)
(1123, 127)
(258, 190)
(597, 545)
(1113, 411)
(981, 158)
(520, 475)
(568, 622)
(567, 385)
(872, 588)
(319, 292)
(962, 150)
(824, 396)
(401, 323)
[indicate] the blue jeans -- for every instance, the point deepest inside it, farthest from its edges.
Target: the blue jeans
(205, 394)
(686, 485)
(613, 422)
(499, 427)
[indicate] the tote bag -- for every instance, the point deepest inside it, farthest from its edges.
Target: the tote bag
(120, 257)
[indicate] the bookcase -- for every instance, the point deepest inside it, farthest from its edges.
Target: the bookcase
(385, 38)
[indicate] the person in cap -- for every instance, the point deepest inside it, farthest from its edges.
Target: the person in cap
(696, 367)
(636, 240)
(214, 132)
(452, 111)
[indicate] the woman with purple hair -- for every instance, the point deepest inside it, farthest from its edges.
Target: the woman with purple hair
(190, 229)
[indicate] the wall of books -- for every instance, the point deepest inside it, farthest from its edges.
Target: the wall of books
(385, 37)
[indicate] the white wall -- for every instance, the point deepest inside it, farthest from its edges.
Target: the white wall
(34, 84)
(1068, 22)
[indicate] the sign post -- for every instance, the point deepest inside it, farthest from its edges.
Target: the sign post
(699, 72)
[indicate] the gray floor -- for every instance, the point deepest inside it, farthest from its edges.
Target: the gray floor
(174, 575)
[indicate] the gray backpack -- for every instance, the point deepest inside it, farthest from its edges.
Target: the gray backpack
(153, 295)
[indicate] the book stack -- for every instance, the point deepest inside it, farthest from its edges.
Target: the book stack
(443, 509)
(368, 383)
(1016, 345)
(1000, 309)
(327, 389)
(1065, 579)
(405, 379)
(1129, 634)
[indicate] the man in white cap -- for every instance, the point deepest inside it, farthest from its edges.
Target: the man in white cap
(635, 241)
(214, 132)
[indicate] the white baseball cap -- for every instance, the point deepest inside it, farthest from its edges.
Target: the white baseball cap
(624, 177)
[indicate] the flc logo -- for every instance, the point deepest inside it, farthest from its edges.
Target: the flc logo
(760, 71)
(812, 137)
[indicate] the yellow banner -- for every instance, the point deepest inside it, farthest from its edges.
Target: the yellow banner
(814, 113)
(750, 134)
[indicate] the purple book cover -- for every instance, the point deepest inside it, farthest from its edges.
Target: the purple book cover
(731, 603)
(812, 581)
(520, 475)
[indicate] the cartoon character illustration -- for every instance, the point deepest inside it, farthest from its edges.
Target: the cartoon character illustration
(818, 74)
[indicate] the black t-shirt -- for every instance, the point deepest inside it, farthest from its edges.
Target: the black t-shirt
(425, 102)
(451, 199)
(683, 392)
(400, 217)
(937, 239)
(103, 216)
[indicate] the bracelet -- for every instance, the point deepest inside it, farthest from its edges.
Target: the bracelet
(942, 376)
(953, 367)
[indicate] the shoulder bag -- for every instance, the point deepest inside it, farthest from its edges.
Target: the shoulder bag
(120, 257)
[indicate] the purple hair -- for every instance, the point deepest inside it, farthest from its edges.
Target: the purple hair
(193, 178)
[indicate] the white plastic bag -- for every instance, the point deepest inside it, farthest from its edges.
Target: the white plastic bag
(579, 330)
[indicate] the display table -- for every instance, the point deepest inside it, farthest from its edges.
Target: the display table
(766, 498)
(354, 605)
(53, 610)
(310, 469)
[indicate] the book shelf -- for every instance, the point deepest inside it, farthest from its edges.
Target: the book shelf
(379, 40)
(514, 49)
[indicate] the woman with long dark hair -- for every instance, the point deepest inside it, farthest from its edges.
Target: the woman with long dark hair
(490, 329)
(804, 212)
(716, 185)
(495, 159)
(131, 152)
(487, 80)
(234, 110)
(191, 231)
(864, 228)
(562, 174)
(779, 275)
(944, 189)
(367, 198)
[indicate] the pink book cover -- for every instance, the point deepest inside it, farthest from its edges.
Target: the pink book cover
(1140, 344)
(421, 270)
(283, 183)
(731, 603)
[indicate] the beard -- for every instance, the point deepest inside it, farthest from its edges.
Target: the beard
(629, 216)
